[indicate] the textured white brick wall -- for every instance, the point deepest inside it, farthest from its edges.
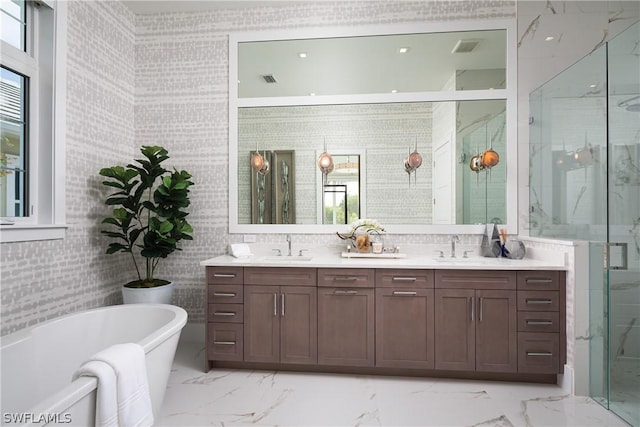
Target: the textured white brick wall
(162, 79)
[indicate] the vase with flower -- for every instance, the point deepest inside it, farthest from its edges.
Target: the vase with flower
(361, 233)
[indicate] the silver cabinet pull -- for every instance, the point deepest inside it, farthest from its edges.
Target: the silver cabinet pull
(473, 308)
(345, 278)
(480, 316)
(224, 294)
(539, 301)
(343, 292)
(224, 275)
(539, 281)
(406, 293)
(539, 322)
(282, 305)
(404, 279)
(224, 342)
(275, 304)
(534, 353)
(224, 313)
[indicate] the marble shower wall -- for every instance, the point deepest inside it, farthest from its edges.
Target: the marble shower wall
(578, 28)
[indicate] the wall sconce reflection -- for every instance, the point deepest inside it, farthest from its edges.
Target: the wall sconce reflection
(325, 162)
(485, 161)
(413, 162)
(578, 159)
(259, 163)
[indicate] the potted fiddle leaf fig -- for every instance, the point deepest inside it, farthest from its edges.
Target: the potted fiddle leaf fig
(148, 220)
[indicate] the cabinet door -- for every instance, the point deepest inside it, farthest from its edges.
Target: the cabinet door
(404, 328)
(261, 324)
(298, 325)
(496, 331)
(455, 345)
(346, 326)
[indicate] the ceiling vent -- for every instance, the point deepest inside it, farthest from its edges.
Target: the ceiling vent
(269, 78)
(465, 46)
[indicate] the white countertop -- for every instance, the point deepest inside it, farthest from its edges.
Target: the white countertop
(417, 256)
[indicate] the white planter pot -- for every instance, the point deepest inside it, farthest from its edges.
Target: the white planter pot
(157, 295)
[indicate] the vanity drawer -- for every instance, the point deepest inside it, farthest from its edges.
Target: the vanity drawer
(280, 276)
(225, 275)
(538, 321)
(225, 294)
(538, 353)
(346, 277)
(539, 280)
(395, 278)
(226, 313)
(225, 341)
(538, 301)
(475, 279)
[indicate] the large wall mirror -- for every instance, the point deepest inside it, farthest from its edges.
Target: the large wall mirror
(371, 100)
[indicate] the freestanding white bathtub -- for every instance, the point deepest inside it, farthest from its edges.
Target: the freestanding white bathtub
(38, 363)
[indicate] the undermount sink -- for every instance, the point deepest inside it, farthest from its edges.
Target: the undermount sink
(285, 259)
(458, 259)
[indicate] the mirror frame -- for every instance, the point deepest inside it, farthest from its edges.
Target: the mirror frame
(509, 94)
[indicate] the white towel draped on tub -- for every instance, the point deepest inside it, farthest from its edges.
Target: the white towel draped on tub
(123, 391)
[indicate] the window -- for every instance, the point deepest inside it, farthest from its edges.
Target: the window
(31, 148)
(13, 107)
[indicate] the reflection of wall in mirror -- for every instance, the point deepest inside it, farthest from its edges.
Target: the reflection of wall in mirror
(483, 194)
(387, 133)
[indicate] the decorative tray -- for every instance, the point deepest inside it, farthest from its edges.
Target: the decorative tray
(372, 255)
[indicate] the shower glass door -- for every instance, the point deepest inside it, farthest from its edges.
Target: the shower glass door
(623, 232)
(585, 185)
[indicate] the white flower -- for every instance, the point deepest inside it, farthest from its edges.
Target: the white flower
(362, 226)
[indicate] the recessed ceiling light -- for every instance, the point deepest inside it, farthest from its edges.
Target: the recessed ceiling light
(403, 49)
(394, 91)
(312, 94)
(549, 38)
(593, 86)
(302, 55)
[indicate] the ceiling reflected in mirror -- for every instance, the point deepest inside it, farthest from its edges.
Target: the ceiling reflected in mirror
(398, 63)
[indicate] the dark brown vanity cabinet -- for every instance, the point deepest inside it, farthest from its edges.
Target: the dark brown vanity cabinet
(541, 313)
(404, 318)
(224, 308)
(346, 317)
(475, 321)
(280, 315)
(481, 322)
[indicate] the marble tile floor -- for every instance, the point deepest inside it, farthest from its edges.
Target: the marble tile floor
(267, 398)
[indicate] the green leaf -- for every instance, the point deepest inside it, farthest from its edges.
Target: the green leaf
(112, 221)
(114, 234)
(165, 227)
(120, 214)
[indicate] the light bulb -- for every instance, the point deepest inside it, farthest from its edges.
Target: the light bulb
(415, 160)
(257, 161)
(325, 162)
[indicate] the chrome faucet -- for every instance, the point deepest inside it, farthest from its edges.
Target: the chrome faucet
(289, 242)
(454, 239)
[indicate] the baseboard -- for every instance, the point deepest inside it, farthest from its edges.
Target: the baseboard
(565, 381)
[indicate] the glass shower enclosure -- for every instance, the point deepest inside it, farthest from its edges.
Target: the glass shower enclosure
(585, 185)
